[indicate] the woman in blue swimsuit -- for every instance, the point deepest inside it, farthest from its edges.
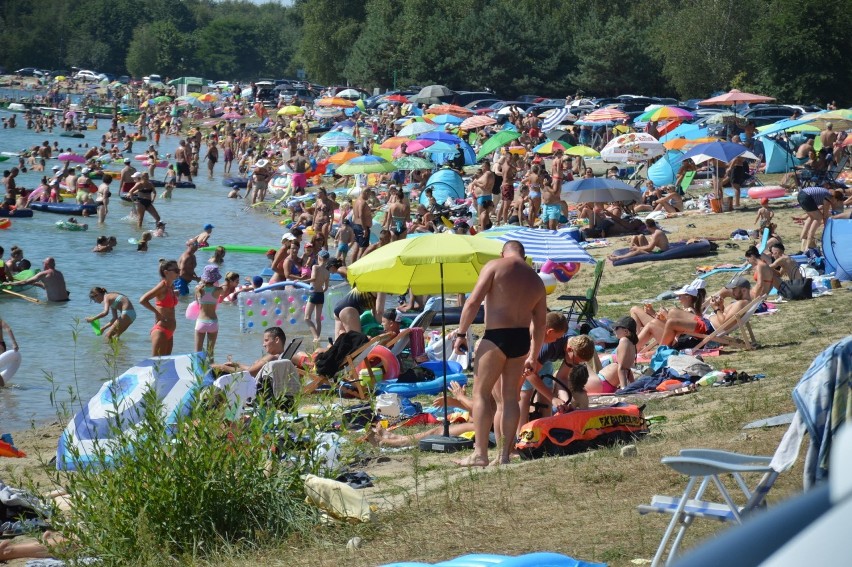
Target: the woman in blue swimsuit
(122, 310)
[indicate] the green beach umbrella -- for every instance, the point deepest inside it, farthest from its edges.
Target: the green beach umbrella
(366, 164)
(498, 140)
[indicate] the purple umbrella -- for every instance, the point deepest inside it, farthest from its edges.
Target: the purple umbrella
(71, 157)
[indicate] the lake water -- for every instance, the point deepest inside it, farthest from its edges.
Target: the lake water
(45, 332)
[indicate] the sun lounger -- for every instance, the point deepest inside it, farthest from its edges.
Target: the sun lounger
(348, 373)
(739, 322)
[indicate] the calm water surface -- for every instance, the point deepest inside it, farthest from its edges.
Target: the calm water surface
(45, 332)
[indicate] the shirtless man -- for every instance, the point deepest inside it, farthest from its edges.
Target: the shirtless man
(481, 187)
(507, 189)
(764, 276)
(783, 264)
(300, 165)
(362, 222)
(51, 280)
(127, 181)
(260, 179)
(515, 309)
(655, 241)
(187, 264)
(828, 137)
(274, 343)
(182, 160)
(739, 289)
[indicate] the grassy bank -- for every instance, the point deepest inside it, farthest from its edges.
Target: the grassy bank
(585, 505)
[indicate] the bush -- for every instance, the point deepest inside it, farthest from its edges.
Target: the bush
(171, 491)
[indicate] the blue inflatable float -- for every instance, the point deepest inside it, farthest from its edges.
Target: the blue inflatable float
(430, 387)
(539, 559)
(676, 251)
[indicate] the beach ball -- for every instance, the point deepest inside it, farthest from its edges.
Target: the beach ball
(279, 322)
(250, 313)
(549, 281)
(263, 312)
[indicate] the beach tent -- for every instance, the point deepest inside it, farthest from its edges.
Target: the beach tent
(835, 247)
(445, 183)
(185, 85)
(664, 170)
(778, 159)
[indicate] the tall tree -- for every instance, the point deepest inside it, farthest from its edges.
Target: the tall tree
(329, 30)
(375, 58)
(160, 48)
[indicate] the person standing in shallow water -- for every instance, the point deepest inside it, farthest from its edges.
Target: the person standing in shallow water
(165, 300)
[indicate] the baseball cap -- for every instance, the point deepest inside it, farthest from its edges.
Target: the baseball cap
(738, 281)
(625, 323)
(287, 236)
(86, 170)
(257, 281)
(692, 288)
(324, 254)
(209, 226)
(126, 160)
(137, 174)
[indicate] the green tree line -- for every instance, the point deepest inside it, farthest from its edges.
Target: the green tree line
(795, 50)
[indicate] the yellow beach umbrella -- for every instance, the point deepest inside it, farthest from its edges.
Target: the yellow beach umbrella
(290, 110)
(584, 151)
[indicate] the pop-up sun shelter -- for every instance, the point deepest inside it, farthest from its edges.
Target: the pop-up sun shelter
(445, 183)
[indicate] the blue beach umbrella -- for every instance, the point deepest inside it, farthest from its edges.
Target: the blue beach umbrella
(439, 136)
(722, 151)
(117, 407)
(542, 245)
(335, 140)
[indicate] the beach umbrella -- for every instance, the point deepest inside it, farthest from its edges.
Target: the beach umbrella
(498, 140)
(440, 148)
(722, 151)
(395, 142)
(684, 143)
(582, 151)
(327, 112)
(603, 115)
(840, 119)
(550, 147)
(635, 146)
(342, 157)
(366, 164)
(431, 264)
(397, 98)
(665, 113)
(475, 122)
(335, 139)
(72, 157)
(432, 94)
(350, 94)
(441, 152)
(734, 97)
(290, 110)
(720, 117)
(542, 245)
(599, 190)
(117, 408)
(437, 136)
(445, 119)
(410, 163)
(416, 128)
(414, 146)
(335, 101)
(231, 116)
(453, 109)
(208, 97)
(554, 118)
(782, 125)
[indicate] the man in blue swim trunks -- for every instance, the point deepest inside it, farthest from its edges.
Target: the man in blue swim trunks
(481, 188)
(187, 264)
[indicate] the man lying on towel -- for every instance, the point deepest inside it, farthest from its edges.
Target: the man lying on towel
(655, 242)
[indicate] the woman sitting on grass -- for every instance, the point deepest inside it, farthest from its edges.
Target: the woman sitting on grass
(618, 374)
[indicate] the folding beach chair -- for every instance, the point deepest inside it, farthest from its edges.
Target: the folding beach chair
(822, 398)
(347, 376)
(585, 307)
(686, 182)
(739, 322)
(403, 340)
(291, 349)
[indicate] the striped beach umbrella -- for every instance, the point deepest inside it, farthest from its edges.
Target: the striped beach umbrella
(541, 245)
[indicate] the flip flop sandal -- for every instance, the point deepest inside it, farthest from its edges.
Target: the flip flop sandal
(690, 225)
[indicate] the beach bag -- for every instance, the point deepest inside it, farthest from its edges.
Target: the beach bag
(796, 290)
(416, 374)
(388, 405)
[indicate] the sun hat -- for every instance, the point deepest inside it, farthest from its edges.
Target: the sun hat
(625, 323)
(127, 160)
(287, 236)
(211, 274)
(692, 288)
(261, 163)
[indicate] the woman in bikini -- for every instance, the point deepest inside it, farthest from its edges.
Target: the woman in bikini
(144, 194)
(665, 325)
(292, 265)
(207, 294)
(122, 310)
(163, 332)
(619, 373)
(533, 181)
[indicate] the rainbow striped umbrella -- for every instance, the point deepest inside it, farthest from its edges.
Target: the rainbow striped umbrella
(550, 147)
(665, 113)
(606, 115)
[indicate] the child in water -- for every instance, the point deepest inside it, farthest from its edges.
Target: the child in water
(160, 230)
(142, 246)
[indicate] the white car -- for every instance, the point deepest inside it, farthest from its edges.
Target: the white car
(152, 79)
(84, 75)
(224, 85)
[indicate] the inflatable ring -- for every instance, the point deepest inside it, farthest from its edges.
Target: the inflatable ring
(65, 225)
(561, 271)
(386, 358)
(193, 310)
(10, 361)
(550, 282)
(768, 192)
(5, 223)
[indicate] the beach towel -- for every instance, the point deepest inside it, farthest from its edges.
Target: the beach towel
(340, 501)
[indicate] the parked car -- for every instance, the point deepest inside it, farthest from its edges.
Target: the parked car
(124, 79)
(289, 95)
(87, 76)
(502, 107)
(762, 114)
(152, 79)
(463, 98)
(29, 72)
(479, 104)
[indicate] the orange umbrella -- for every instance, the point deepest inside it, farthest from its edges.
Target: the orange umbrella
(606, 115)
(395, 142)
(681, 143)
(453, 109)
(342, 157)
(335, 101)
